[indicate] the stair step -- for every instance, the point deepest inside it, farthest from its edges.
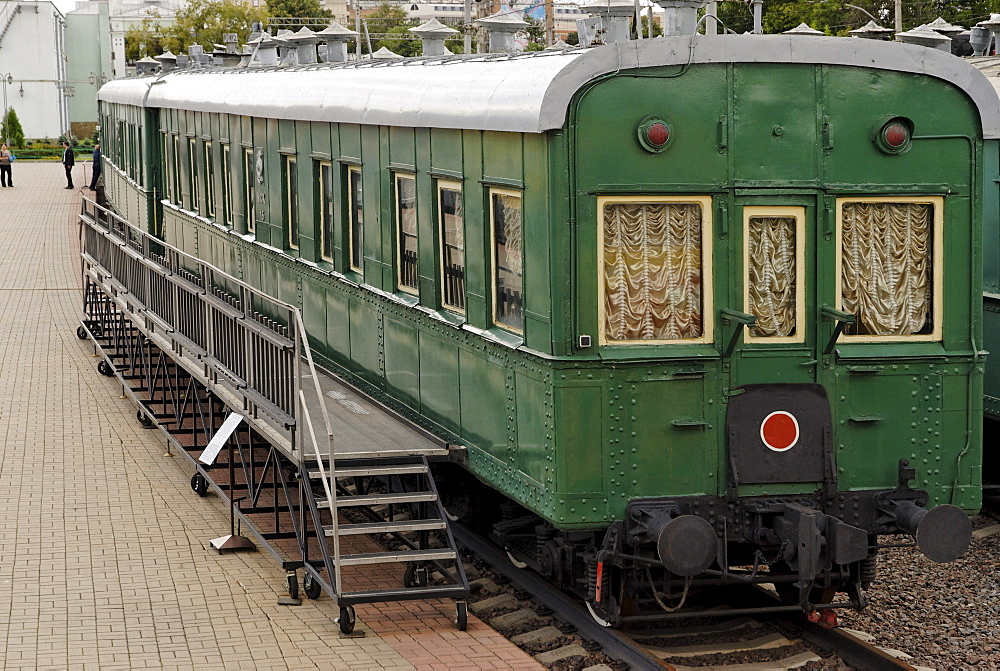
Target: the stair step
(344, 501)
(427, 592)
(386, 527)
(355, 471)
(393, 557)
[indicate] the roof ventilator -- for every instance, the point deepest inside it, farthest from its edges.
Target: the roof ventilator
(304, 41)
(167, 61)
(873, 31)
(334, 38)
(680, 16)
(608, 22)
(501, 28)
(925, 37)
(433, 34)
(266, 49)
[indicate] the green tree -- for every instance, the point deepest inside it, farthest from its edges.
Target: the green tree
(145, 39)
(389, 28)
(536, 34)
(298, 10)
(10, 129)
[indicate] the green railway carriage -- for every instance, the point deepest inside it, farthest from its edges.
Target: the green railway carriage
(689, 304)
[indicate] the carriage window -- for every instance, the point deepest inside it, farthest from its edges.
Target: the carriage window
(291, 202)
(249, 175)
(508, 256)
(193, 171)
(227, 186)
(773, 271)
(406, 227)
(887, 265)
(209, 182)
(451, 225)
(357, 217)
(326, 208)
(654, 250)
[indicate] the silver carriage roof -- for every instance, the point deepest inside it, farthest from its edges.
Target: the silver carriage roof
(502, 92)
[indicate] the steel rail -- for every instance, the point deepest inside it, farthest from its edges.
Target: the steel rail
(564, 607)
(858, 653)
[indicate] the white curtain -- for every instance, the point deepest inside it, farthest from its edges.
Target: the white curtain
(652, 271)
(887, 267)
(771, 275)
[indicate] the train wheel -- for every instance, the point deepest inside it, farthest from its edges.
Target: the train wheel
(292, 583)
(346, 619)
(313, 590)
(104, 368)
(81, 333)
(199, 484)
(461, 615)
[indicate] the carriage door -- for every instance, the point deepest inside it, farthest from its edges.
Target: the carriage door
(778, 418)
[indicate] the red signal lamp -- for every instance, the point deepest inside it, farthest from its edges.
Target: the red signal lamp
(654, 134)
(894, 136)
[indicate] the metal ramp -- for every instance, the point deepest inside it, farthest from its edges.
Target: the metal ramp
(324, 478)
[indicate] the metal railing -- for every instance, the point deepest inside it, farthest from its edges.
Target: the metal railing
(253, 344)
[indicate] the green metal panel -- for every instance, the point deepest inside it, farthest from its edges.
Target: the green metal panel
(581, 455)
(775, 128)
(338, 327)
(484, 421)
(854, 158)
(446, 150)
(991, 330)
(320, 134)
(440, 384)
(402, 361)
(427, 234)
(502, 156)
(402, 150)
(533, 452)
(350, 141)
(364, 322)
(376, 208)
(476, 233)
(536, 204)
(286, 135)
(271, 229)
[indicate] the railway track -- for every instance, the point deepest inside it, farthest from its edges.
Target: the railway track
(560, 633)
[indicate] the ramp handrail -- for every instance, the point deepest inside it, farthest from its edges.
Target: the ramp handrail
(231, 327)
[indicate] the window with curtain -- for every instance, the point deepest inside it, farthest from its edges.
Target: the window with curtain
(193, 171)
(771, 275)
(652, 271)
(508, 304)
(451, 222)
(406, 229)
(886, 267)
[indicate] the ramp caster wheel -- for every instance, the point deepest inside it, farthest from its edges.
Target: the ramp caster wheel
(461, 615)
(415, 576)
(292, 582)
(346, 619)
(313, 589)
(199, 485)
(105, 369)
(145, 421)
(81, 333)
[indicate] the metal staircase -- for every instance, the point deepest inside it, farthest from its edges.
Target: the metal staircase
(366, 504)
(348, 498)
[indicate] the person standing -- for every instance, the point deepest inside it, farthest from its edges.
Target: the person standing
(6, 179)
(96, 168)
(68, 161)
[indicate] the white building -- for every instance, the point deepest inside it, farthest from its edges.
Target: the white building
(33, 66)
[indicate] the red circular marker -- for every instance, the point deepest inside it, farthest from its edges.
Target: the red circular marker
(896, 135)
(779, 431)
(658, 134)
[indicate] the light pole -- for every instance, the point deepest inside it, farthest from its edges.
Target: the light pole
(7, 79)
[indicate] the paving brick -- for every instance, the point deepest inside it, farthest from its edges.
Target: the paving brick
(104, 544)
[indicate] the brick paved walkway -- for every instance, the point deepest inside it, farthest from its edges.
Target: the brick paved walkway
(102, 543)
